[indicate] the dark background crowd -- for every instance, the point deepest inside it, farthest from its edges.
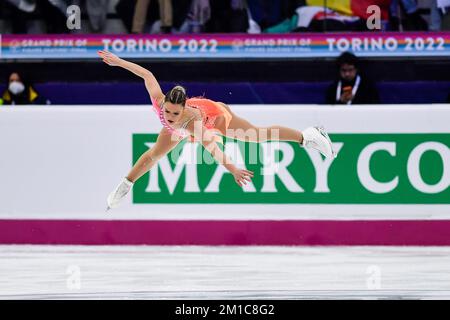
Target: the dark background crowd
(220, 16)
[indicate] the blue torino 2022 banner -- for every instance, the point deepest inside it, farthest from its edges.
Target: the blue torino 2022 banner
(232, 46)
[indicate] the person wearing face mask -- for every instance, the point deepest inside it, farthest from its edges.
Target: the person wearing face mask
(351, 87)
(19, 93)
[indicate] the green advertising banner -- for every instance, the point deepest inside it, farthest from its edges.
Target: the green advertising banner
(395, 168)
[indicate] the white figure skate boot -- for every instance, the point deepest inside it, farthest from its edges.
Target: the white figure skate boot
(119, 193)
(317, 138)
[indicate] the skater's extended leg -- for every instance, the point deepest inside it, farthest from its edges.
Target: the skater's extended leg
(312, 137)
(164, 144)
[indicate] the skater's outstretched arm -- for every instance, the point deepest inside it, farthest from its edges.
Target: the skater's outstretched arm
(152, 85)
(206, 136)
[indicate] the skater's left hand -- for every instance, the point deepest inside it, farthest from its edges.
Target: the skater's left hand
(242, 176)
(109, 58)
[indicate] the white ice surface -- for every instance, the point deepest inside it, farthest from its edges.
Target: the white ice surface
(160, 272)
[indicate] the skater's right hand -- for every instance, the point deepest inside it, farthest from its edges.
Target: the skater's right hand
(109, 58)
(346, 97)
(241, 176)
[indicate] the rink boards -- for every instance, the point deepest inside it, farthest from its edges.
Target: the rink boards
(388, 186)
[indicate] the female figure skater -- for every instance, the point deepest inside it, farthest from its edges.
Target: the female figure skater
(201, 119)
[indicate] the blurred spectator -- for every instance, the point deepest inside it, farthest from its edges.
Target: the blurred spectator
(227, 16)
(444, 7)
(290, 15)
(20, 92)
(351, 87)
(180, 12)
(97, 11)
(405, 16)
(222, 16)
(125, 10)
(340, 15)
(266, 13)
(52, 12)
(140, 15)
(320, 19)
(198, 15)
(18, 11)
